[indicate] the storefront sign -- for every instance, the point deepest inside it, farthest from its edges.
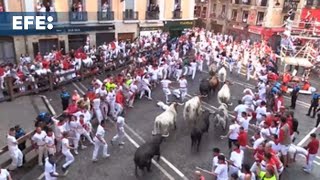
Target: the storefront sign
(256, 29)
(238, 27)
(179, 25)
(150, 28)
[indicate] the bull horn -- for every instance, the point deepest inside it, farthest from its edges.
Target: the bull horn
(180, 104)
(203, 96)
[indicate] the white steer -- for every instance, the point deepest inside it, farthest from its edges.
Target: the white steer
(221, 116)
(192, 110)
(165, 120)
(222, 75)
(224, 94)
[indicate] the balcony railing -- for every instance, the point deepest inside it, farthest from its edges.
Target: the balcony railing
(263, 3)
(130, 15)
(106, 16)
(314, 3)
(78, 16)
(152, 15)
(176, 14)
(247, 2)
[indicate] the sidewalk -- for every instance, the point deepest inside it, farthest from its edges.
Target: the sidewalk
(21, 111)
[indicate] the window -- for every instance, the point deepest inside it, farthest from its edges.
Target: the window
(153, 6)
(105, 5)
(77, 5)
(129, 4)
(247, 2)
(309, 2)
(263, 2)
(197, 11)
(234, 15)
(177, 5)
(204, 12)
(7, 53)
(245, 15)
(260, 18)
(214, 8)
(2, 8)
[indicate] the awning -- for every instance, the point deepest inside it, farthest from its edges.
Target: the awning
(256, 29)
(304, 62)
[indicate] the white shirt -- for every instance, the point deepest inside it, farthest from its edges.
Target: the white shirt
(39, 139)
(4, 174)
(133, 88)
(258, 142)
(222, 172)
(59, 130)
(48, 169)
(240, 108)
(65, 144)
(193, 65)
(49, 141)
(183, 83)
(234, 129)
(237, 158)
(12, 143)
(260, 111)
(100, 133)
(214, 162)
(96, 103)
(165, 83)
(247, 99)
(244, 123)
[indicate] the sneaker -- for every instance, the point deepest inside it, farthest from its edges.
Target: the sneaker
(83, 147)
(94, 160)
(64, 169)
(150, 99)
(106, 156)
(121, 143)
(76, 152)
(306, 170)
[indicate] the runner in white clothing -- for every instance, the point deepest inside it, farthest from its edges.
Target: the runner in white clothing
(165, 87)
(50, 172)
(120, 131)
(99, 141)
(183, 87)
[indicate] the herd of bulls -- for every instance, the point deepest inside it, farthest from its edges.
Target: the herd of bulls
(197, 118)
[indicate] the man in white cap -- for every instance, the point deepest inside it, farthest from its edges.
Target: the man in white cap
(120, 131)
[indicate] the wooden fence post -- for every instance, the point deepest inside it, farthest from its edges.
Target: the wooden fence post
(51, 81)
(9, 86)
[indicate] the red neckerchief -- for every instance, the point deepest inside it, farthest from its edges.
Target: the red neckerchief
(60, 123)
(49, 135)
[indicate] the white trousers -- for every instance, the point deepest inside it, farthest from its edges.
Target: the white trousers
(310, 160)
(69, 159)
(112, 107)
(144, 89)
(17, 159)
(183, 93)
(119, 136)
(166, 92)
(87, 135)
(41, 151)
(98, 113)
(194, 70)
(178, 73)
(119, 109)
(97, 146)
(248, 74)
(200, 65)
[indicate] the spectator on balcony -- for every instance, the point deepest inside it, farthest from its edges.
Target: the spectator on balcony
(80, 10)
(1, 7)
(105, 8)
(177, 8)
(74, 10)
(42, 9)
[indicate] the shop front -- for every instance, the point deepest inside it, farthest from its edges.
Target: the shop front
(238, 31)
(148, 30)
(256, 33)
(175, 28)
(217, 28)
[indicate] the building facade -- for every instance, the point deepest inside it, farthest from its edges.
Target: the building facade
(251, 19)
(96, 21)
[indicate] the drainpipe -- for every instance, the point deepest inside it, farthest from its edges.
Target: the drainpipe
(24, 36)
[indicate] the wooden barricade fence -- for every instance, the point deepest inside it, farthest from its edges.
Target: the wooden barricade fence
(50, 85)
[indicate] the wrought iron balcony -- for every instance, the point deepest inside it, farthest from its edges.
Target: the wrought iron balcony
(313, 3)
(78, 16)
(105, 16)
(176, 14)
(130, 15)
(152, 15)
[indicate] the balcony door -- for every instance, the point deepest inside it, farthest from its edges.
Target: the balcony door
(7, 53)
(129, 5)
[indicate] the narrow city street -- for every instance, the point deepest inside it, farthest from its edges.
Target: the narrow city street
(177, 159)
